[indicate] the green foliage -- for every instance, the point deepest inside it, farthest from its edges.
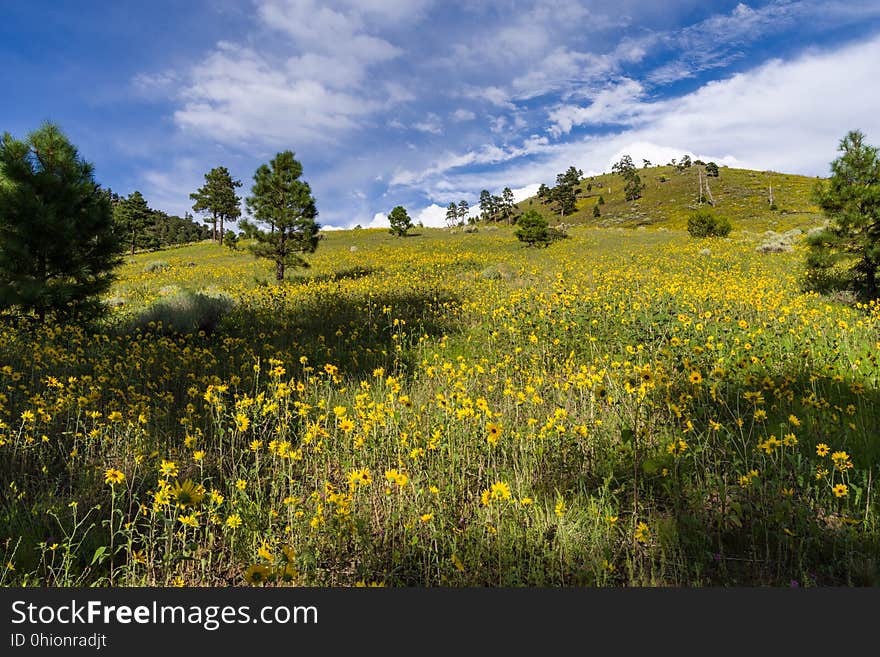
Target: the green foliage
(632, 183)
(132, 215)
(58, 245)
(217, 198)
(230, 240)
(846, 253)
(596, 212)
(712, 169)
(532, 229)
(284, 203)
(142, 227)
(156, 266)
(704, 223)
(632, 188)
(451, 215)
(400, 221)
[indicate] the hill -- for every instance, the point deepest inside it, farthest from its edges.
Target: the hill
(670, 196)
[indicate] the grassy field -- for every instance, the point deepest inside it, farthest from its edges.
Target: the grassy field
(670, 196)
(625, 407)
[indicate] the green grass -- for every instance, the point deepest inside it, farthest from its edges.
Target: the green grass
(740, 195)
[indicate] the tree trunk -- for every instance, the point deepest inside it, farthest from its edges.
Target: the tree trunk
(221, 229)
(214, 228)
(132, 242)
(871, 280)
(279, 270)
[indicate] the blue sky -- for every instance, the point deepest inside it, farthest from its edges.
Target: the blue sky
(420, 103)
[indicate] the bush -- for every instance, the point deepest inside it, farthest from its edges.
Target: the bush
(184, 312)
(156, 265)
(532, 229)
(230, 240)
(705, 224)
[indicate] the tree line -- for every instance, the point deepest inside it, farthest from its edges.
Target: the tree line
(144, 228)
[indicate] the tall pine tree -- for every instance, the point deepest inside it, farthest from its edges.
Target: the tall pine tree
(58, 246)
(217, 199)
(133, 216)
(282, 202)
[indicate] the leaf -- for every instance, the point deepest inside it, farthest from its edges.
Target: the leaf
(99, 556)
(626, 435)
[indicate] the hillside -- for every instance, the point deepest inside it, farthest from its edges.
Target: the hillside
(670, 196)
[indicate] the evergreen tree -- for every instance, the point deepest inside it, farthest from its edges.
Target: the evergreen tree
(58, 244)
(133, 216)
(463, 209)
(532, 229)
(451, 215)
(543, 193)
(846, 253)
(565, 198)
(217, 198)
(485, 205)
(283, 202)
(632, 183)
(400, 221)
(632, 187)
(508, 207)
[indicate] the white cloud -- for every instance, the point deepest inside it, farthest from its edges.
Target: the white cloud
(614, 104)
(431, 124)
(313, 88)
(522, 193)
(380, 220)
(236, 95)
(433, 216)
(463, 115)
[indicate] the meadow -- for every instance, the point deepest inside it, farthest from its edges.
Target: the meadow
(628, 407)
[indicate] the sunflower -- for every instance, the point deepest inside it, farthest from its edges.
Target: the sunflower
(188, 493)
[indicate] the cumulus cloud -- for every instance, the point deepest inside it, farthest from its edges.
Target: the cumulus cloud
(313, 88)
(614, 104)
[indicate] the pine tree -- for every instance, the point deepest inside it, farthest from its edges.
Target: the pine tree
(132, 216)
(846, 253)
(508, 206)
(532, 229)
(400, 221)
(485, 205)
(58, 246)
(217, 198)
(282, 201)
(464, 209)
(451, 215)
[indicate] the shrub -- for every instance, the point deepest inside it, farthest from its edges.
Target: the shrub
(532, 229)
(705, 224)
(230, 240)
(184, 312)
(155, 266)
